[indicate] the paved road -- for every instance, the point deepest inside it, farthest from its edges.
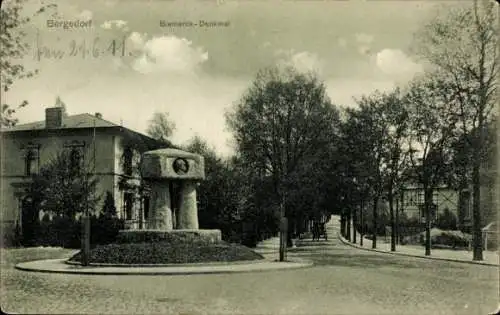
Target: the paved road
(344, 281)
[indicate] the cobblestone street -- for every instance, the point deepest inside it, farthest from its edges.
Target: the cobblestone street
(344, 280)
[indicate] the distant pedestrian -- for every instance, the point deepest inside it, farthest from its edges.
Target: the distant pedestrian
(323, 231)
(316, 230)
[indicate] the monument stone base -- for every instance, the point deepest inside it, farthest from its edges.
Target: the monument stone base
(203, 237)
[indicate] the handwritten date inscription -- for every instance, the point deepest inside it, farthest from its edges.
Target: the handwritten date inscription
(95, 48)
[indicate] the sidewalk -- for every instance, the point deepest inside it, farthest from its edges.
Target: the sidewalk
(489, 257)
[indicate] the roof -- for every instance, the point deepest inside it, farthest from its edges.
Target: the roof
(69, 122)
(87, 121)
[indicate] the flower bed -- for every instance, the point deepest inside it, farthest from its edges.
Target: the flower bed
(168, 253)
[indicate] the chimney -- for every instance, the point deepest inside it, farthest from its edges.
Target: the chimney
(54, 117)
(98, 115)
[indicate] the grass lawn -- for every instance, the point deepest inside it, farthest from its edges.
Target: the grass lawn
(168, 253)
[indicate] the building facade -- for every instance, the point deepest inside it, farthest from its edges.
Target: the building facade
(411, 203)
(110, 152)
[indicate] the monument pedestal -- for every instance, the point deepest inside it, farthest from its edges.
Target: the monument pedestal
(174, 215)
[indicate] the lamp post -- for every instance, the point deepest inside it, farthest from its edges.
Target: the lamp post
(86, 217)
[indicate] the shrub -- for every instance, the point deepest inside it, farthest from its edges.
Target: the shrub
(447, 220)
(66, 232)
(447, 239)
(61, 231)
(109, 208)
(104, 229)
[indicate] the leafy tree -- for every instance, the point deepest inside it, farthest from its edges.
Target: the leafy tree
(160, 126)
(461, 45)
(13, 50)
(109, 208)
(60, 103)
(367, 154)
(283, 119)
(433, 126)
(63, 187)
(218, 194)
(396, 119)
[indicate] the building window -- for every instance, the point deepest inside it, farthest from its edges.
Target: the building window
(75, 161)
(128, 202)
(128, 155)
(30, 163)
(435, 204)
(146, 207)
(421, 198)
(466, 205)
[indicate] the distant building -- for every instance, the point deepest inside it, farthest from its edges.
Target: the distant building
(411, 203)
(26, 147)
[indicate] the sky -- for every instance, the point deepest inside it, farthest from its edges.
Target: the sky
(167, 60)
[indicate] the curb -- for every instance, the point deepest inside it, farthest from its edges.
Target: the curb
(59, 266)
(346, 242)
(199, 264)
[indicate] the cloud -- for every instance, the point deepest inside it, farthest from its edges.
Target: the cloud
(118, 24)
(167, 54)
(137, 40)
(344, 92)
(86, 15)
(395, 63)
(302, 61)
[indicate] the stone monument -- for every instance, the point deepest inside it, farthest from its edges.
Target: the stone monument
(173, 176)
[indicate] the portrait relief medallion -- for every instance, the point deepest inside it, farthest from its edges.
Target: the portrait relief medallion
(180, 166)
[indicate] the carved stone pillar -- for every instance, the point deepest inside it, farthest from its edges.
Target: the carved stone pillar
(187, 218)
(161, 212)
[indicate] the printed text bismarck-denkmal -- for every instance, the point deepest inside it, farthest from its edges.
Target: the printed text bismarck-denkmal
(200, 23)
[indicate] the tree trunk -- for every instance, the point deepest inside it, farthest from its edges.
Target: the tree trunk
(283, 228)
(427, 206)
(375, 221)
(354, 221)
(362, 224)
(396, 232)
(348, 225)
(290, 231)
(393, 221)
(400, 210)
(477, 241)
